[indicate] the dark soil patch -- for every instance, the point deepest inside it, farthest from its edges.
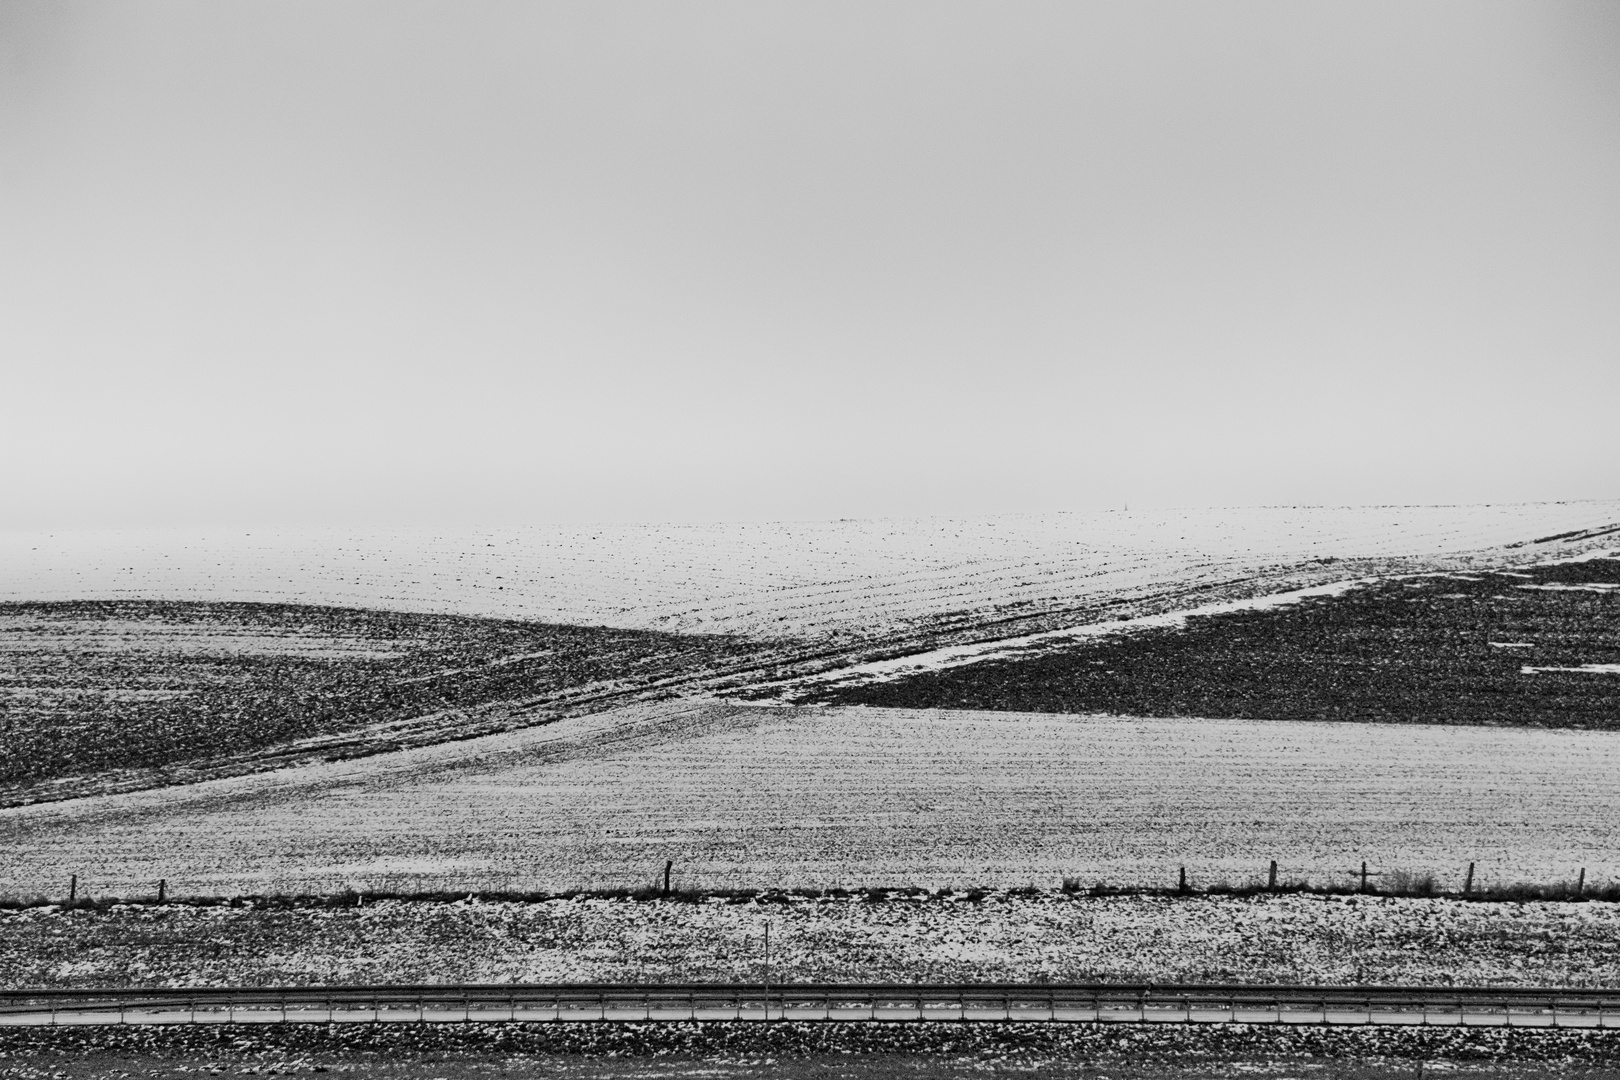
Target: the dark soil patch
(88, 687)
(1416, 650)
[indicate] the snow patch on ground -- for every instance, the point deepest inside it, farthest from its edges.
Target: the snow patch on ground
(1583, 586)
(1006, 648)
(1583, 669)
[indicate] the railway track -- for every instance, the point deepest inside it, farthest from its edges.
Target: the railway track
(688, 1002)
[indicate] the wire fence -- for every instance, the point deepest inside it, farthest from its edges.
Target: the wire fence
(1273, 878)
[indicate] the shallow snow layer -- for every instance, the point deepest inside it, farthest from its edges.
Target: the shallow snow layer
(747, 796)
(956, 656)
(1583, 586)
(779, 579)
(1583, 669)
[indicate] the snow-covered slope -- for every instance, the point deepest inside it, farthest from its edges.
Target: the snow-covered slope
(866, 577)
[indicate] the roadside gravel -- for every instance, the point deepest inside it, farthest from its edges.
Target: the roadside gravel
(818, 1051)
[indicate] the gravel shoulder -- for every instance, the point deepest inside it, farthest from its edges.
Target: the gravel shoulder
(885, 1051)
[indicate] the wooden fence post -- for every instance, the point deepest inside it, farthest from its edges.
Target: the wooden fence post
(1182, 886)
(1272, 883)
(669, 865)
(1468, 882)
(73, 888)
(1363, 875)
(1580, 884)
(163, 886)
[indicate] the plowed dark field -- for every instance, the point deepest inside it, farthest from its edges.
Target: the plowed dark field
(1516, 647)
(97, 687)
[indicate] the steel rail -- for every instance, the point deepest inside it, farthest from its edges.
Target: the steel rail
(685, 1002)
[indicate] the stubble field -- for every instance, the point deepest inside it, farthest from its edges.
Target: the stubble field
(760, 797)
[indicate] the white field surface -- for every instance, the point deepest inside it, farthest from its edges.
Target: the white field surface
(778, 797)
(870, 578)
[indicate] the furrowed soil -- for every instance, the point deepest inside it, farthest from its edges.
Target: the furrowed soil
(99, 696)
(1537, 646)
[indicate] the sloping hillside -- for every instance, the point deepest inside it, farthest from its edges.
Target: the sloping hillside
(135, 660)
(757, 797)
(873, 580)
(1535, 647)
(115, 695)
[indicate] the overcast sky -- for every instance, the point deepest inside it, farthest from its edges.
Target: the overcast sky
(353, 262)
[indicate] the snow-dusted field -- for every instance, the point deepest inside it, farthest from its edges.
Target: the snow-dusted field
(869, 577)
(761, 797)
(951, 656)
